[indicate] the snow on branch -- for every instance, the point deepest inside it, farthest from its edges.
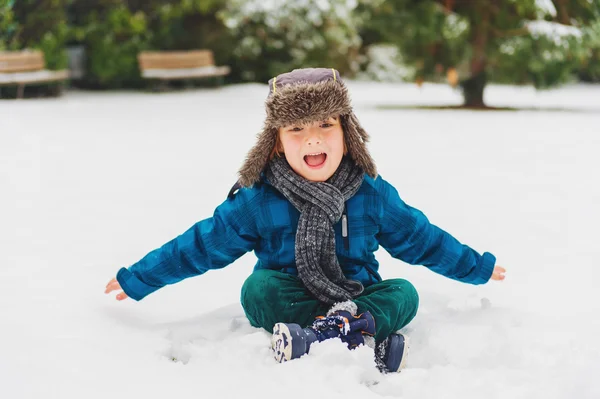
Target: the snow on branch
(546, 7)
(553, 30)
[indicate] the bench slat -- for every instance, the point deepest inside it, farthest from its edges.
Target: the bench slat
(175, 59)
(21, 61)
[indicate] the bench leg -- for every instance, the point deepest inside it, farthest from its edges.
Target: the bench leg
(20, 91)
(159, 86)
(62, 86)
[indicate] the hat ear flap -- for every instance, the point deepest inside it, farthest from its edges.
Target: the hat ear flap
(258, 157)
(356, 142)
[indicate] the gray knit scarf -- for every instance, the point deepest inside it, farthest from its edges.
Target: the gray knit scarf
(320, 205)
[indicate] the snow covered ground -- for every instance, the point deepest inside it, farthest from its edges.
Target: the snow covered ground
(91, 182)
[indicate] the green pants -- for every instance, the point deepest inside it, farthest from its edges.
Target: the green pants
(270, 297)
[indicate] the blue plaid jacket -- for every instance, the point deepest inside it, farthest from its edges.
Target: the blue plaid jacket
(261, 219)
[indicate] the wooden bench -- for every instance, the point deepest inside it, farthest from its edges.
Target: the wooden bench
(20, 68)
(172, 65)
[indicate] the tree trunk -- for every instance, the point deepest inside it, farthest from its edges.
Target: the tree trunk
(473, 86)
(473, 90)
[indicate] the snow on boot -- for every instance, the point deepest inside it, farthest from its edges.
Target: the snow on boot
(352, 328)
(391, 353)
(290, 341)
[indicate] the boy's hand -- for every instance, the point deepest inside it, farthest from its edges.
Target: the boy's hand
(498, 273)
(113, 285)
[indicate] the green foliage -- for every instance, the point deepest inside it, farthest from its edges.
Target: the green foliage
(590, 69)
(429, 38)
(37, 24)
(496, 39)
(114, 32)
(271, 40)
(113, 38)
(538, 60)
(52, 43)
(8, 25)
(262, 39)
(191, 24)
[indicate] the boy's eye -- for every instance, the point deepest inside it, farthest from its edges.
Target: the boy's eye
(295, 129)
(326, 125)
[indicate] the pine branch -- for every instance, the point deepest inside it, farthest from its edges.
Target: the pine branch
(510, 32)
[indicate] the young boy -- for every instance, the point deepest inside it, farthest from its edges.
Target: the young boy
(311, 206)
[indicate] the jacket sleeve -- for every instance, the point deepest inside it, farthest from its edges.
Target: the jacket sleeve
(212, 243)
(406, 233)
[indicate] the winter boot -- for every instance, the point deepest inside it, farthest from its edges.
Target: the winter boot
(290, 341)
(391, 353)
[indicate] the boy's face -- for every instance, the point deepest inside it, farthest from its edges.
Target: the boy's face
(314, 151)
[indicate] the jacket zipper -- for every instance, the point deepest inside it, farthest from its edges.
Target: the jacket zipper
(345, 229)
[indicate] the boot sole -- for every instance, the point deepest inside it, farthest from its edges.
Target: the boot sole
(404, 353)
(288, 342)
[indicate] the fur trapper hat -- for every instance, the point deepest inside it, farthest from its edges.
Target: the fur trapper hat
(304, 96)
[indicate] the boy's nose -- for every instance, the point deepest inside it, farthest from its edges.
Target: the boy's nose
(314, 138)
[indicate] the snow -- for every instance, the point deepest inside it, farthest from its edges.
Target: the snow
(545, 7)
(454, 27)
(553, 30)
(93, 181)
(385, 65)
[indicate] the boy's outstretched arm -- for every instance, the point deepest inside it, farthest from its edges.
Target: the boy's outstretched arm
(212, 243)
(407, 234)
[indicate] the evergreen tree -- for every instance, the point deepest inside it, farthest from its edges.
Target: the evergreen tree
(472, 42)
(8, 25)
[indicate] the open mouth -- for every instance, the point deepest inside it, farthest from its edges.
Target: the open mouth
(315, 160)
